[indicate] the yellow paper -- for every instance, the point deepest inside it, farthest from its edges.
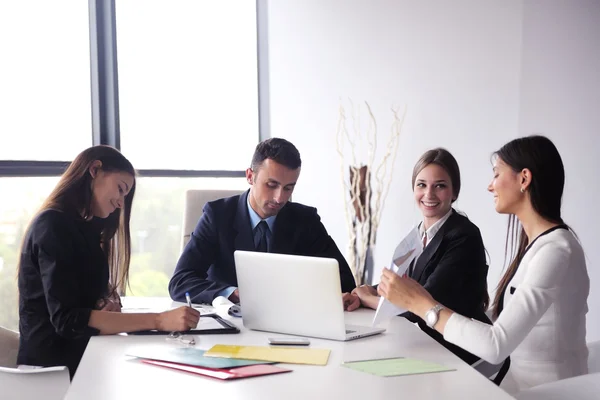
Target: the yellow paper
(290, 355)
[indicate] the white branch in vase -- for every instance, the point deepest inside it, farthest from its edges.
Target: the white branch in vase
(362, 214)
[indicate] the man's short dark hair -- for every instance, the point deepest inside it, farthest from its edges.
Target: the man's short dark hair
(279, 150)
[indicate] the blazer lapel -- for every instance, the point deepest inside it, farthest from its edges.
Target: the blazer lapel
(431, 249)
(426, 255)
(242, 229)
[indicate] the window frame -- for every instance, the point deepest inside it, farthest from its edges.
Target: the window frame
(105, 98)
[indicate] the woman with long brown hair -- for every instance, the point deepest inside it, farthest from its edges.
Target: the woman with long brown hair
(75, 257)
(541, 301)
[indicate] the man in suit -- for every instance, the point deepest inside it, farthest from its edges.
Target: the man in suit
(262, 219)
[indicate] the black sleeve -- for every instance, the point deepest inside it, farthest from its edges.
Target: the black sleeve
(322, 245)
(52, 239)
(191, 271)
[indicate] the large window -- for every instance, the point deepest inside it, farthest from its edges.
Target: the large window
(21, 197)
(188, 83)
(179, 97)
(157, 231)
(44, 79)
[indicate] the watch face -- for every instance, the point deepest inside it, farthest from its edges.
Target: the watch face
(431, 318)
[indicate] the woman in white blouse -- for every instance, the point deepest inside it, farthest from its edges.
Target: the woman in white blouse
(541, 301)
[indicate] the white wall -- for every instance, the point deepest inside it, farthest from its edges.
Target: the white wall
(462, 68)
(560, 97)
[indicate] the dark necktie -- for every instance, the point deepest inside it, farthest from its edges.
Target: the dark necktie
(260, 236)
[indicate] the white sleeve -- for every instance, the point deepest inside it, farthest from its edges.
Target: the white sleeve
(535, 294)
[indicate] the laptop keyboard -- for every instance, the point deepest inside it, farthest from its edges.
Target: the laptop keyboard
(349, 331)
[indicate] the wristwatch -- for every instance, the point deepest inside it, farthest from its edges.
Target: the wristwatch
(433, 315)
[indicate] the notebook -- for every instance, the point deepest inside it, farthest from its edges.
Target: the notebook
(225, 373)
(396, 367)
(290, 355)
(188, 356)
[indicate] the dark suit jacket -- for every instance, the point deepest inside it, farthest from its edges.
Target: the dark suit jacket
(206, 265)
(63, 273)
(453, 269)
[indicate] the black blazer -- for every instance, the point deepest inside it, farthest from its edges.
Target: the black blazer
(453, 269)
(63, 273)
(206, 265)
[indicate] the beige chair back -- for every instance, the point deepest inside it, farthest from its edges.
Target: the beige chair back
(9, 347)
(194, 204)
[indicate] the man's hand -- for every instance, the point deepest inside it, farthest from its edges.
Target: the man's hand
(351, 301)
(235, 296)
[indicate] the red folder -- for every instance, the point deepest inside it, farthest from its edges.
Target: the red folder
(225, 373)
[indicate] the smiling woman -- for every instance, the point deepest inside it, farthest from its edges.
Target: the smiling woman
(541, 301)
(75, 256)
(109, 189)
(453, 263)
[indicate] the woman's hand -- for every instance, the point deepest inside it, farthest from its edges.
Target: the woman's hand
(405, 293)
(180, 319)
(367, 295)
(108, 305)
(112, 302)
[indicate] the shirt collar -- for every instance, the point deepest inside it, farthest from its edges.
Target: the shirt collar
(255, 218)
(433, 229)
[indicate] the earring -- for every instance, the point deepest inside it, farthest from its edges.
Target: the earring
(522, 190)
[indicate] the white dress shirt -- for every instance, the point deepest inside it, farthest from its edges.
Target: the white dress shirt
(542, 326)
(433, 229)
(429, 233)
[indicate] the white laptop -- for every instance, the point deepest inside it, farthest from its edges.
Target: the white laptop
(295, 295)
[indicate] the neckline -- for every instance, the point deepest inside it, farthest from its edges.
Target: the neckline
(547, 231)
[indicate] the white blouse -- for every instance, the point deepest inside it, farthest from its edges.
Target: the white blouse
(542, 326)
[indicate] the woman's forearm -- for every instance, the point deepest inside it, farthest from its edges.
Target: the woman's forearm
(109, 323)
(424, 305)
(371, 302)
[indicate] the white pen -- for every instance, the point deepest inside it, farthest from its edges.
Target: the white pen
(189, 300)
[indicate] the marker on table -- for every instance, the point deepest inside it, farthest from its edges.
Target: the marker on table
(189, 300)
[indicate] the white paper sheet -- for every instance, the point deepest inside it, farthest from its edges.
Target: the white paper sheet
(225, 307)
(407, 250)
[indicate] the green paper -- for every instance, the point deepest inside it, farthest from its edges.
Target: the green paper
(190, 356)
(396, 367)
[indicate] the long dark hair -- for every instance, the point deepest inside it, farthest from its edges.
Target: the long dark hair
(443, 158)
(73, 193)
(540, 156)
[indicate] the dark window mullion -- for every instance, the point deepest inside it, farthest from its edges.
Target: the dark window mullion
(10, 168)
(104, 73)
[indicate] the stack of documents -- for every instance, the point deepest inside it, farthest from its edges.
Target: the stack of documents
(223, 373)
(193, 360)
(290, 355)
(229, 362)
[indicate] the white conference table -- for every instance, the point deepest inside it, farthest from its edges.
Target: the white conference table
(105, 372)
